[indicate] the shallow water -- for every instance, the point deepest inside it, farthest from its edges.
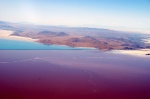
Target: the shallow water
(73, 74)
(7, 44)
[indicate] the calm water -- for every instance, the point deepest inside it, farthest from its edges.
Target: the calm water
(73, 74)
(6, 44)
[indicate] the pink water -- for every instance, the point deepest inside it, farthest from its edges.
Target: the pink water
(73, 75)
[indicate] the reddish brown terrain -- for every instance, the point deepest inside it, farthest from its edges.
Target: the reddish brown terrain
(103, 39)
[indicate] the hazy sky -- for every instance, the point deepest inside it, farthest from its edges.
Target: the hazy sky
(95, 13)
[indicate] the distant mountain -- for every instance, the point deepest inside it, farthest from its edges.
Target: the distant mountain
(50, 33)
(82, 31)
(1, 22)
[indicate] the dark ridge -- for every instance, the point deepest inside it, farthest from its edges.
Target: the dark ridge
(148, 54)
(62, 34)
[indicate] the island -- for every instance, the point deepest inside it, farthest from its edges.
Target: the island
(99, 38)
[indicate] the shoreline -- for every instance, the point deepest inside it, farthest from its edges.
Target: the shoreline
(6, 34)
(139, 53)
(147, 41)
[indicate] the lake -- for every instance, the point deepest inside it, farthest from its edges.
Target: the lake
(73, 74)
(8, 44)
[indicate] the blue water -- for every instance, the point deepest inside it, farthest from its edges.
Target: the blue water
(6, 44)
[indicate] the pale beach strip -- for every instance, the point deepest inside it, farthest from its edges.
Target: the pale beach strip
(6, 34)
(140, 53)
(146, 40)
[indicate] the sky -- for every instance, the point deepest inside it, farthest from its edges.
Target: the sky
(123, 14)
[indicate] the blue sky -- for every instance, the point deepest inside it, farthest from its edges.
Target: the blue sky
(129, 14)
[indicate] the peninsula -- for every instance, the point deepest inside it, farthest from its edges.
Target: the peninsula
(103, 39)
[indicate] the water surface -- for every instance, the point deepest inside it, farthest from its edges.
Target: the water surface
(73, 74)
(7, 44)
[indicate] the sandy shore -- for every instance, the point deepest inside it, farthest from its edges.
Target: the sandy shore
(5, 34)
(140, 53)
